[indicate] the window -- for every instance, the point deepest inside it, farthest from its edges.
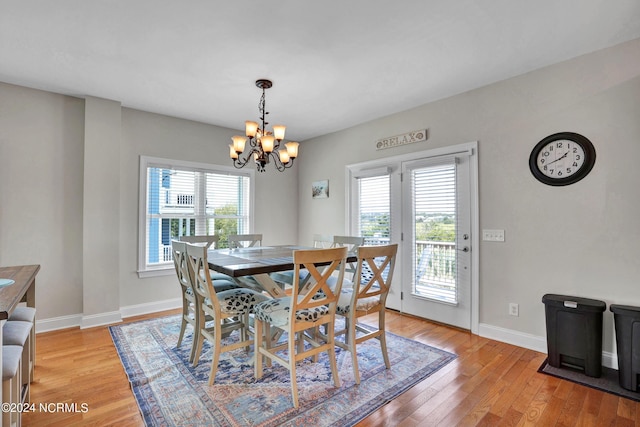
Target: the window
(186, 199)
(374, 209)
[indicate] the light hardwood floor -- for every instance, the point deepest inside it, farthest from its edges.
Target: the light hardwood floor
(489, 384)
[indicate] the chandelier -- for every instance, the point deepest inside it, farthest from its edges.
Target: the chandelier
(263, 144)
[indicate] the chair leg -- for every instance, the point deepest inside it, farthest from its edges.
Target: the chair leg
(194, 341)
(183, 327)
(316, 334)
(198, 350)
(259, 332)
(292, 371)
(383, 339)
(332, 354)
(216, 355)
(351, 343)
(268, 341)
(244, 331)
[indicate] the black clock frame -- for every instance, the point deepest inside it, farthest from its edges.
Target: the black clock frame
(589, 161)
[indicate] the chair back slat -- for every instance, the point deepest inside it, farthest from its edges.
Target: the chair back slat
(316, 292)
(352, 243)
(210, 240)
(380, 262)
(244, 240)
(323, 241)
(199, 273)
(179, 262)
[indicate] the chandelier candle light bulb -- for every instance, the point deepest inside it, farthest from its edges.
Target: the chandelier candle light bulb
(250, 128)
(278, 132)
(264, 145)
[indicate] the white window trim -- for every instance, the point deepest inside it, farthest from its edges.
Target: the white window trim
(145, 161)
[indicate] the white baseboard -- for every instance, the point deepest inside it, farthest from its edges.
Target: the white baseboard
(521, 339)
(532, 342)
(151, 307)
(55, 323)
(94, 320)
(101, 319)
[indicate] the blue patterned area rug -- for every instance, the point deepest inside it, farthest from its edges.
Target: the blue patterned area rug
(170, 392)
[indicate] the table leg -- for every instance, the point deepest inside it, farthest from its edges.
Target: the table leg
(269, 285)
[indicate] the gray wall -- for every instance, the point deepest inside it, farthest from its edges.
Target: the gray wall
(46, 189)
(578, 240)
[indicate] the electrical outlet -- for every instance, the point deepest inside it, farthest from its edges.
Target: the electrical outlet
(493, 235)
(513, 309)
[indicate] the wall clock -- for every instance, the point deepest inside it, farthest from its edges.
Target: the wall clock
(562, 158)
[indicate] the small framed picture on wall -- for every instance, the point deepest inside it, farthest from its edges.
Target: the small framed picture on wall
(320, 189)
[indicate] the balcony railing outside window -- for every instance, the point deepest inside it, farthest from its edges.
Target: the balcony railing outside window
(436, 270)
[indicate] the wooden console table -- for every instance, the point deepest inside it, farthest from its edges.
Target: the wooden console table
(24, 290)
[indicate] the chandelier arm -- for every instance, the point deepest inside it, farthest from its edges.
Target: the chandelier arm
(242, 162)
(278, 163)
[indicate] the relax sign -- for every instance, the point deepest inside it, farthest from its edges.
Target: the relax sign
(406, 138)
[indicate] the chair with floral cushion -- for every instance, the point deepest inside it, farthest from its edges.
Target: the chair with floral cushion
(229, 310)
(368, 294)
(309, 306)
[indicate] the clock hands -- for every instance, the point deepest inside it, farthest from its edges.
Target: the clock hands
(559, 158)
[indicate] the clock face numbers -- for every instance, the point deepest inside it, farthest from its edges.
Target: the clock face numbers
(560, 159)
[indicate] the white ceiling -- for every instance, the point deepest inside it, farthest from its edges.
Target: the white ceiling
(334, 63)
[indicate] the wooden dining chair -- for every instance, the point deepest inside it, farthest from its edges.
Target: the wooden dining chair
(189, 303)
(244, 240)
(229, 310)
(211, 241)
(352, 243)
(323, 241)
(320, 241)
(374, 273)
(308, 307)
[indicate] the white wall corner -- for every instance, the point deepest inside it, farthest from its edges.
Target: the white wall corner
(101, 319)
(152, 307)
(532, 342)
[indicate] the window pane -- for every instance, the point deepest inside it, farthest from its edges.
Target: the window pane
(374, 209)
(434, 195)
(228, 204)
(187, 202)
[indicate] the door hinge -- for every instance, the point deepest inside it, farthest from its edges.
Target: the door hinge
(401, 296)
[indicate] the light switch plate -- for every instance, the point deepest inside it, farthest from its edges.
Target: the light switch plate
(493, 235)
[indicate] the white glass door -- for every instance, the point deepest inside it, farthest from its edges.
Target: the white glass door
(436, 229)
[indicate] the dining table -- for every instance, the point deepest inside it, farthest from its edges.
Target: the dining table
(252, 267)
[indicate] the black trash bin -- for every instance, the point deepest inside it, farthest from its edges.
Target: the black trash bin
(574, 332)
(627, 321)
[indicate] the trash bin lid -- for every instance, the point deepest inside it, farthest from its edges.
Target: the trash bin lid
(579, 303)
(625, 310)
